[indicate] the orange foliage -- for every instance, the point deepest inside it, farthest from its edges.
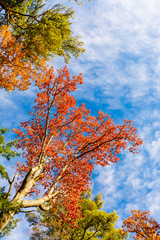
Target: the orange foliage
(16, 69)
(142, 225)
(65, 141)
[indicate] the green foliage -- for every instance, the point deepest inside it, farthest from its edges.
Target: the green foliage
(11, 225)
(6, 151)
(94, 224)
(5, 207)
(46, 32)
(97, 200)
(6, 148)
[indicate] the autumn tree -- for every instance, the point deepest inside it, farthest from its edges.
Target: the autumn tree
(15, 70)
(94, 223)
(46, 31)
(60, 145)
(142, 226)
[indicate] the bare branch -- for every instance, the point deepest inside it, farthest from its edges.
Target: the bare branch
(40, 202)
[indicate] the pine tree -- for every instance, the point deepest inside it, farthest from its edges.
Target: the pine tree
(45, 31)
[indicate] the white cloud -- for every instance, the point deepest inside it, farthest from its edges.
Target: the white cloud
(5, 100)
(153, 200)
(122, 47)
(154, 149)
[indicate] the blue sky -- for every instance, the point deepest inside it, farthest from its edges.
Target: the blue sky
(121, 73)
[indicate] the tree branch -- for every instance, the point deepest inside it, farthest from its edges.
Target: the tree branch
(11, 184)
(40, 202)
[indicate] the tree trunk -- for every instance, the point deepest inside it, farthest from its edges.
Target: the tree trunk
(27, 184)
(5, 218)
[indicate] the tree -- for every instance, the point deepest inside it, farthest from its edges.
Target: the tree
(45, 31)
(15, 70)
(61, 144)
(142, 225)
(94, 223)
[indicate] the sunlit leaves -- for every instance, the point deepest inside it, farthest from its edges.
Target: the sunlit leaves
(15, 70)
(142, 226)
